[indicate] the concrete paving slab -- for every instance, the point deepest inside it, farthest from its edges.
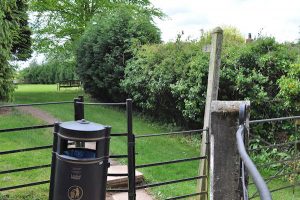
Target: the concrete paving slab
(121, 181)
(140, 195)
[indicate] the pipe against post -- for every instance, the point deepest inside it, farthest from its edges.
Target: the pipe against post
(225, 161)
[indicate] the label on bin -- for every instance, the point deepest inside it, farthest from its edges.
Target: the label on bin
(75, 193)
(76, 173)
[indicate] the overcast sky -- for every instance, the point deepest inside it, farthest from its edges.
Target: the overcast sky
(278, 18)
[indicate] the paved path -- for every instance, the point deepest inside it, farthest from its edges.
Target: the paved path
(115, 166)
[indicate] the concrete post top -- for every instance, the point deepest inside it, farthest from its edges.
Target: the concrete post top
(217, 30)
(227, 106)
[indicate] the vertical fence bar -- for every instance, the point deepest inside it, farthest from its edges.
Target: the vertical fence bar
(79, 114)
(53, 163)
(78, 108)
(131, 152)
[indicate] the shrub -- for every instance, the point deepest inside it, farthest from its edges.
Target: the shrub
(107, 45)
(169, 80)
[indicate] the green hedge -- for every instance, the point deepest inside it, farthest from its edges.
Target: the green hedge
(169, 80)
(48, 73)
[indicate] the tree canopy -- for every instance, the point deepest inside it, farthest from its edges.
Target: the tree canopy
(15, 41)
(60, 23)
(106, 47)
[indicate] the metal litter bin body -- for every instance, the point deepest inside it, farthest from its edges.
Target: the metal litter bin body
(80, 173)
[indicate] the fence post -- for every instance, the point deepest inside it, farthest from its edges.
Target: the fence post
(79, 114)
(130, 152)
(78, 108)
(54, 150)
(225, 160)
(211, 94)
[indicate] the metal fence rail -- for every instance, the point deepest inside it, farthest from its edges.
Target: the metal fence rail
(170, 133)
(130, 156)
(274, 119)
(283, 166)
(78, 113)
(35, 104)
(132, 143)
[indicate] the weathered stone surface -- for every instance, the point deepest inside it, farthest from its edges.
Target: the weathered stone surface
(140, 195)
(121, 181)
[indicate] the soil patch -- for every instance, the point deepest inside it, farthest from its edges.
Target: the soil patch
(37, 113)
(5, 111)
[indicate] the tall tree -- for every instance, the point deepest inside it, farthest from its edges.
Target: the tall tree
(14, 40)
(107, 45)
(60, 23)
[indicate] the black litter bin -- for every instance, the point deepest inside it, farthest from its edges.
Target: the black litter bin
(80, 173)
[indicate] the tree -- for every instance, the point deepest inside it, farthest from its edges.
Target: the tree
(14, 40)
(107, 45)
(52, 71)
(60, 23)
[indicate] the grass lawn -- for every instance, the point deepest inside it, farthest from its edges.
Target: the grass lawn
(149, 149)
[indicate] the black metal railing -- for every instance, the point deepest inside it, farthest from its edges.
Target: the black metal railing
(284, 159)
(78, 114)
(247, 163)
(130, 156)
(173, 162)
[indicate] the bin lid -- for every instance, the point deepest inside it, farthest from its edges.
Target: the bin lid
(82, 130)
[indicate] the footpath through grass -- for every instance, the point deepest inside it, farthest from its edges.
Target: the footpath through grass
(149, 149)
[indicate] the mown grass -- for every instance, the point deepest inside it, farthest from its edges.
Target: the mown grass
(148, 149)
(19, 140)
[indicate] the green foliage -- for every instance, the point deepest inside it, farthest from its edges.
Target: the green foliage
(161, 77)
(60, 23)
(107, 45)
(14, 39)
(290, 86)
(170, 79)
(22, 42)
(52, 71)
(254, 73)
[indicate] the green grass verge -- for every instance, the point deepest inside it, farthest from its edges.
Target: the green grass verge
(149, 149)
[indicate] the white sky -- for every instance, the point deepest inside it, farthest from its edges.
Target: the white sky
(278, 18)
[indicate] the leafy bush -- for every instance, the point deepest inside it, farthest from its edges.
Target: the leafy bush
(107, 45)
(169, 80)
(290, 86)
(159, 75)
